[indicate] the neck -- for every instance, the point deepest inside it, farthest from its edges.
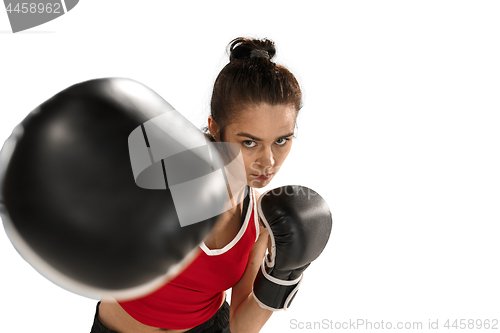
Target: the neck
(236, 201)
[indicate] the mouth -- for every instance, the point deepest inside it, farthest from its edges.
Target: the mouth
(262, 177)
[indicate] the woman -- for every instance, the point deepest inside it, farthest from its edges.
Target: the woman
(254, 105)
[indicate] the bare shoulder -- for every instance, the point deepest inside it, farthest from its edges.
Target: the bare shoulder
(262, 229)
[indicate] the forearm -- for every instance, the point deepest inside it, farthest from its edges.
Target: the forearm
(248, 317)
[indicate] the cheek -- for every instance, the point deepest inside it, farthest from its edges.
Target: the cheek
(281, 154)
(248, 160)
(251, 165)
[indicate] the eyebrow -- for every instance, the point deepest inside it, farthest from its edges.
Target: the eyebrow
(257, 139)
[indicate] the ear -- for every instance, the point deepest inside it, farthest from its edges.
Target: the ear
(212, 126)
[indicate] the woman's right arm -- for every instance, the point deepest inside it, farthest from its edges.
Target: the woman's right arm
(245, 314)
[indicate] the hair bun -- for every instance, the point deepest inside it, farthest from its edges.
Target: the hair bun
(245, 48)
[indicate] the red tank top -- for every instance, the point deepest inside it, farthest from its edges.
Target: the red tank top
(193, 296)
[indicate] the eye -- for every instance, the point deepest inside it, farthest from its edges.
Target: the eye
(282, 141)
(249, 143)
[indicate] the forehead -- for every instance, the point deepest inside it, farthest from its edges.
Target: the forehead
(264, 120)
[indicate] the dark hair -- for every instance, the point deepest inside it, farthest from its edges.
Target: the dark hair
(251, 78)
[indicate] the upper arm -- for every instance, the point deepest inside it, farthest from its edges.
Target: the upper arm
(243, 287)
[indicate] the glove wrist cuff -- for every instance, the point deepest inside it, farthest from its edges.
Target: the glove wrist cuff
(272, 293)
(277, 281)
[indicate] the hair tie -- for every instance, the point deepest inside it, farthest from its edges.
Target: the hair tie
(259, 54)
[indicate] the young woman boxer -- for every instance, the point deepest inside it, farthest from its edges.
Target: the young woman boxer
(254, 104)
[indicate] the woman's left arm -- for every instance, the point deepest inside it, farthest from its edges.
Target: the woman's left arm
(245, 314)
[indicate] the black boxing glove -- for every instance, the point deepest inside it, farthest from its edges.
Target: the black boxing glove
(106, 189)
(299, 223)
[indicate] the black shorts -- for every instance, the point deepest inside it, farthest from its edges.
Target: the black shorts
(218, 323)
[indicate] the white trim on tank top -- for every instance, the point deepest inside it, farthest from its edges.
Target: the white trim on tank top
(253, 205)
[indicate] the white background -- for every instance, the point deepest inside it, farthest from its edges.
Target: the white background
(399, 133)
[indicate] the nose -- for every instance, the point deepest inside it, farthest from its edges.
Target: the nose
(266, 158)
